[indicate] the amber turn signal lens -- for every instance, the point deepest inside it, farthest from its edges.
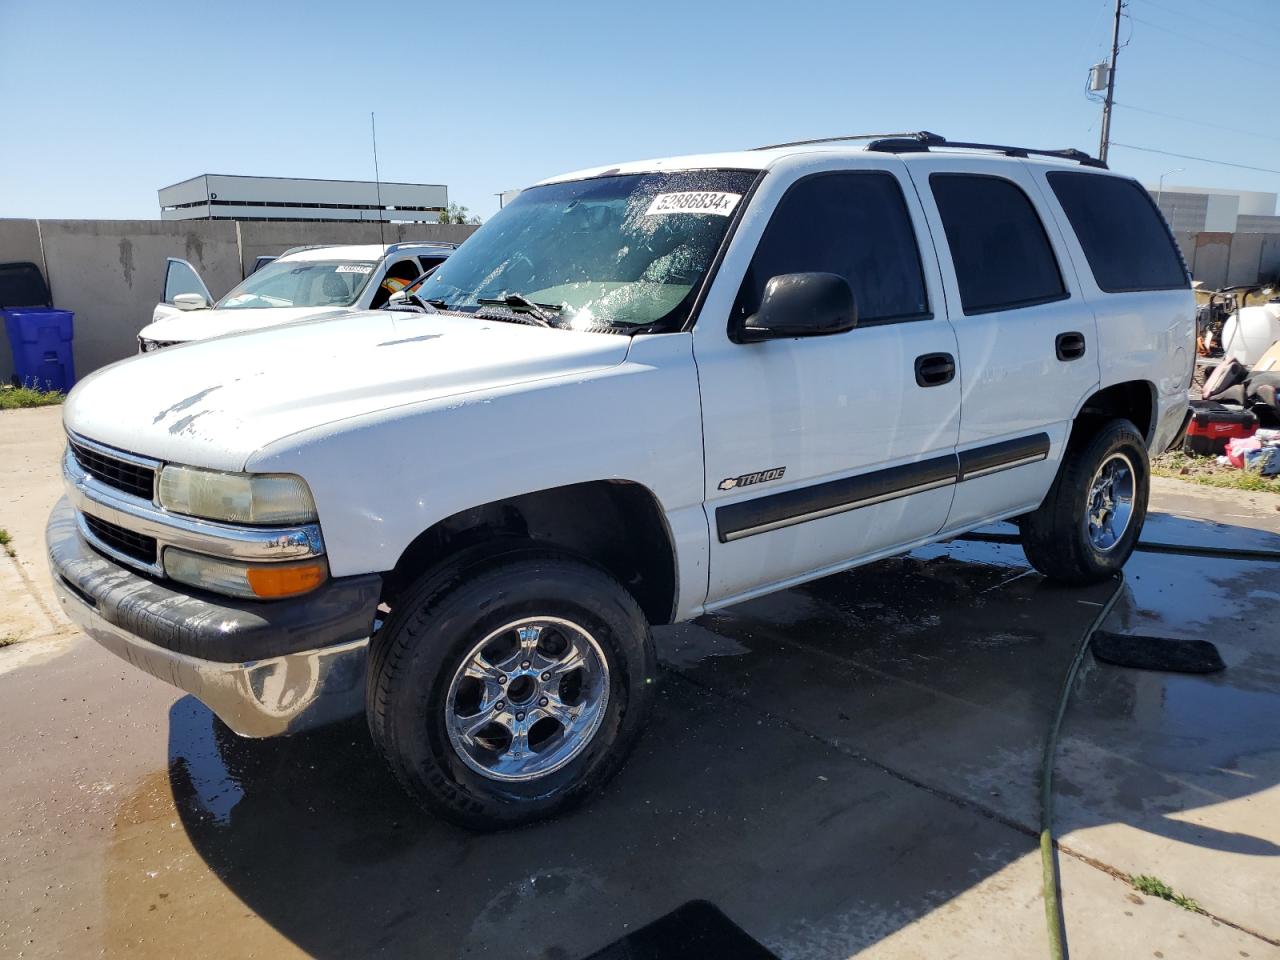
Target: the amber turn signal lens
(286, 579)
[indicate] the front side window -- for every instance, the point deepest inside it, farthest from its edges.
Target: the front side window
(300, 283)
(1119, 228)
(627, 251)
(852, 224)
(1002, 256)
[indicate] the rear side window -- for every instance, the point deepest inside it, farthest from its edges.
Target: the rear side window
(852, 224)
(1124, 239)
(999, 247)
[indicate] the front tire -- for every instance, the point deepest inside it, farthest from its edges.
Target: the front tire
(507, 689)
(1090, 521)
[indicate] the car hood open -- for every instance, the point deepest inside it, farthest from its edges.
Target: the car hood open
(214, 403)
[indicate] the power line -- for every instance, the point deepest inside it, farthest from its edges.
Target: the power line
(1180, 13)
(1252, 21)
(1202, 42)
(1203, 123)
(1187, 156)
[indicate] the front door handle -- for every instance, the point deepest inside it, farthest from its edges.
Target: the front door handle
(935, 369)
(1069, 346)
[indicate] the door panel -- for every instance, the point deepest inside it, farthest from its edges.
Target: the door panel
(821, 450)
(182, 277)
(1013, 299)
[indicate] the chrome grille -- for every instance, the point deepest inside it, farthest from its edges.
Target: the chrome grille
(132, 478)
(135, 545)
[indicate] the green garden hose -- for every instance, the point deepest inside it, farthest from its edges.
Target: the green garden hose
(1048, 852)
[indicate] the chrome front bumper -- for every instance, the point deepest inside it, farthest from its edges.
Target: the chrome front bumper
(262, 698)
(264, 667)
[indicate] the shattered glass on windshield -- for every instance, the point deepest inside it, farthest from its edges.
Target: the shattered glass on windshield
(618, 251)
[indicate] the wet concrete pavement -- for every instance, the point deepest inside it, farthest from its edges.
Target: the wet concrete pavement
(845, 768)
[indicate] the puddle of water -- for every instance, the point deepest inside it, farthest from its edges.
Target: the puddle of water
(195, 758)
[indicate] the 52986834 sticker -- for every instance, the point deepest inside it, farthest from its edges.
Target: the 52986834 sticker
(694, 201)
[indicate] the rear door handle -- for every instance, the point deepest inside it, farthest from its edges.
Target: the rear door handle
(1069, 346)
(935, 369)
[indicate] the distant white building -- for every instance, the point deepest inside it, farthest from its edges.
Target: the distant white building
(1210, 209)
(213, 196)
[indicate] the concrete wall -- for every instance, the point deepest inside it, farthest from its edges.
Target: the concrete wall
(1226, 259)
(1213, 253)
(1269, 262)
(111, 272)
(1246, 258)
(1247, 223)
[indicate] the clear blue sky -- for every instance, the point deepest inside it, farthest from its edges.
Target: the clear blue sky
(105, 102)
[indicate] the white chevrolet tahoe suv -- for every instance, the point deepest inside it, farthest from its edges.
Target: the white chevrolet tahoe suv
(638, 394)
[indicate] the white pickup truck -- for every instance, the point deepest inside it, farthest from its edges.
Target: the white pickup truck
(638, 394)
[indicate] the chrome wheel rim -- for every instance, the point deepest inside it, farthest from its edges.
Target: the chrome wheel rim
(527, 699)
(1110, 504)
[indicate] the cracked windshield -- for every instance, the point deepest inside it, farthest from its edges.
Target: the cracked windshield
(624, 251)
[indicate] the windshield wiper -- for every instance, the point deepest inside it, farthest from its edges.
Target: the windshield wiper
(538, 310)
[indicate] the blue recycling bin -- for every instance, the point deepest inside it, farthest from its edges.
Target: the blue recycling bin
(40, 338)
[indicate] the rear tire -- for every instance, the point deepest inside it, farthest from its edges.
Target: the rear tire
(1090, 521)
(507, 689)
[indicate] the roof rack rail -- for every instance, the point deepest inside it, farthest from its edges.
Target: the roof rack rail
(855, 136)
(922, 141)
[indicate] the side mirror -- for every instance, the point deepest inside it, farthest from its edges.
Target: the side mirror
(801, 305)
(397, 297)
(190, 301)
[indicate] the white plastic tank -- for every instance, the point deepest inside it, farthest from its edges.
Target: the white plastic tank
(1250, 331)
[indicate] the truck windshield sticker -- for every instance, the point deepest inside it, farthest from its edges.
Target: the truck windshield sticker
(694, 201)
(353, 268)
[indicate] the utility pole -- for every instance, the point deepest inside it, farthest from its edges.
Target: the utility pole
(1111, 86)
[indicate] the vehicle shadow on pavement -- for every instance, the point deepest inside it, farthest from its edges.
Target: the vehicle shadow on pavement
(783, 833)
(826, 765)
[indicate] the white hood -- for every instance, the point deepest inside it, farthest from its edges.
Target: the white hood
(203, 324)
(214, 403)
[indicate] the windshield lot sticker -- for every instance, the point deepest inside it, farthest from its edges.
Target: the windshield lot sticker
(353, 268)
(694, 201)
(747, 479)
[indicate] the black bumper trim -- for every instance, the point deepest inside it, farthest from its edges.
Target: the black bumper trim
(204, 625)
(823, 499)
(1007, 453)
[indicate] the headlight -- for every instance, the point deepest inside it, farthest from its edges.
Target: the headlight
(269, 498)
(240, 579)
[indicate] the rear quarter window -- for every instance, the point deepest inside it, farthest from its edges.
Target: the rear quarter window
(1124, 238)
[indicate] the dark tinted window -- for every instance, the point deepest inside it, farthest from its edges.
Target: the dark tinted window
(852, 224)
(1125, 240)
(998, 244)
